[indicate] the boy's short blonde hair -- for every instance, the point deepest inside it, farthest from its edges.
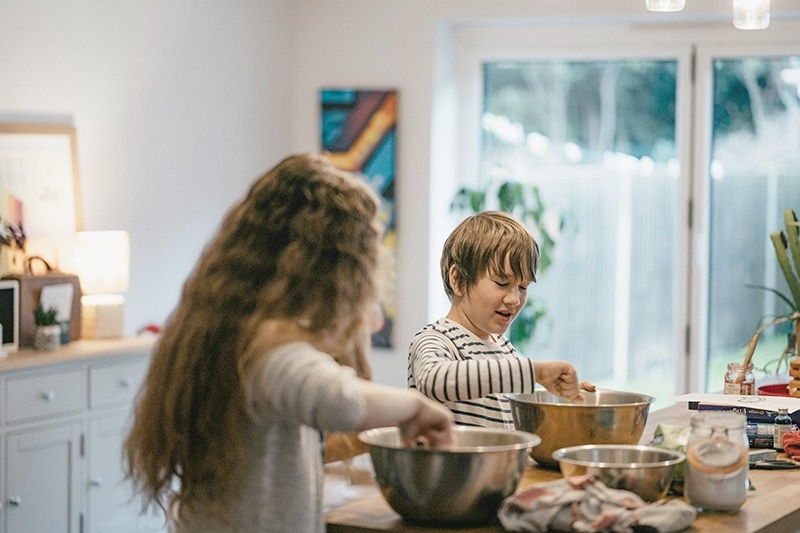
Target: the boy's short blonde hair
(481, 243)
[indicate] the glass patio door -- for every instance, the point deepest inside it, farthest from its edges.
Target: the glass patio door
(594, 143)
(749, 163)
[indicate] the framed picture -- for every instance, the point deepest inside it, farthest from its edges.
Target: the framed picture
(359, 134)
(9, 315)
(39, 183)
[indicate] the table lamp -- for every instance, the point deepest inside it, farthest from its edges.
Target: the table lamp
(102, 262)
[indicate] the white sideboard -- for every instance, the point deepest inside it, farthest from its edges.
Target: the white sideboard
(63, 418)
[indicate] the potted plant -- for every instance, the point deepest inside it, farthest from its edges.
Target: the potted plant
(48, 330)
(787, 252)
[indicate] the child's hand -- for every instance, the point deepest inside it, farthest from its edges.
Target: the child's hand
(561, 379)
(430, 425)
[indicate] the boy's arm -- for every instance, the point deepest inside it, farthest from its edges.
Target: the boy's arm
(439, 371)
(561, 378)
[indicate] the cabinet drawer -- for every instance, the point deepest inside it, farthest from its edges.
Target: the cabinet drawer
(41, 395)
(115, 383)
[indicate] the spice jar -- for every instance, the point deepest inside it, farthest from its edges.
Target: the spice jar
(740, 380)
(717, 461)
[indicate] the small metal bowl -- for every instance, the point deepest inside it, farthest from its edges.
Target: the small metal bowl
(462, 484)
(644, 470)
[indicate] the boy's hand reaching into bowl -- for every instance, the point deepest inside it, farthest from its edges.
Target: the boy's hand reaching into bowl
(561, 379)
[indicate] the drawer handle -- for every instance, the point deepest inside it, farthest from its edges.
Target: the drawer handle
(96, 482)
(15, 501)
(124, 383)
(48, 396)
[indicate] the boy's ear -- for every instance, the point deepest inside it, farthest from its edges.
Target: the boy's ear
(455, 283)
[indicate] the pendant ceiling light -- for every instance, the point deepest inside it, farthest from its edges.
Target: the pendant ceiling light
(747, 14)
(665, 5)
(751, 14)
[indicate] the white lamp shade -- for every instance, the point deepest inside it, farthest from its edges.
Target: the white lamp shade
(102, 261)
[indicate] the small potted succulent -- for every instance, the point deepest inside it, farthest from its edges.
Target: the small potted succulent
(48, 330)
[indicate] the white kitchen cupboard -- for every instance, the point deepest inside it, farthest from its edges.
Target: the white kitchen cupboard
(42, 484)
(63, 418)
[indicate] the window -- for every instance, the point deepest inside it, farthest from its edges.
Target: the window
(754, 174)
(659, 191)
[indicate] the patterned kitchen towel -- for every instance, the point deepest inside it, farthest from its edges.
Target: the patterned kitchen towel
(585, 504)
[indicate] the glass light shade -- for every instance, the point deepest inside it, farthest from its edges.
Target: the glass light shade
(102, 261)
(751, 14)
(665, 5)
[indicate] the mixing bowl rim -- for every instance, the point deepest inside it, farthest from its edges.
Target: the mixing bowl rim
(517, 397)
(532, 440)
(677, 456)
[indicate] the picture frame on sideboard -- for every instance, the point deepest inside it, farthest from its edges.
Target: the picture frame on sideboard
(9, 315)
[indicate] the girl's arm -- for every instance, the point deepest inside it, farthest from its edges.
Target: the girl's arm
(415, 415)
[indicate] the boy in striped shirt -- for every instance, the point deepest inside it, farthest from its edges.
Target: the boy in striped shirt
(464, 360)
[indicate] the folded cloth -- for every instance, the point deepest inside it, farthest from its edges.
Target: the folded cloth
(585, 504)
(791, 444)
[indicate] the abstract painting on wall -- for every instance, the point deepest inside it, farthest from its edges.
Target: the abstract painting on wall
(359, 134)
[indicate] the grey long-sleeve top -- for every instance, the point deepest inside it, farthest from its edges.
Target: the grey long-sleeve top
(297, 392)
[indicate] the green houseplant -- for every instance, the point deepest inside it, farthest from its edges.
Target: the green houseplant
(48, 331)
(787, 252)
(45, 317)
(524, 201)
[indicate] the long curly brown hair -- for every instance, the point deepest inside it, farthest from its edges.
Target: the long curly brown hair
(301, 248)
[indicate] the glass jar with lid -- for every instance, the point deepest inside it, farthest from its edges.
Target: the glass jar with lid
(717, 461)
(740, 380)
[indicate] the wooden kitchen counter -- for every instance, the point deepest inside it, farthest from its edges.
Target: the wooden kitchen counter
(773, 507)
(81, 350)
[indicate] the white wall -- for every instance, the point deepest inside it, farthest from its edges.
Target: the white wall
(178, 106)
(406, 44)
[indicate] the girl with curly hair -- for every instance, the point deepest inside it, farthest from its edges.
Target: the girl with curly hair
(263, 354)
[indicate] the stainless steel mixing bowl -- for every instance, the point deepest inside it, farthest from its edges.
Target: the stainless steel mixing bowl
(644, 470)
(603, 417)
(463, 484)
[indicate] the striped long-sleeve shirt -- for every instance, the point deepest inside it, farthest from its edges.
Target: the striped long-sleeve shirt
(448, 363)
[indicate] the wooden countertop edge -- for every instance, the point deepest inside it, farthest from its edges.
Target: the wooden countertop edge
(30, 359)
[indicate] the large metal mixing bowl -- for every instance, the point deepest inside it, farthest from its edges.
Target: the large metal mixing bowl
(644, 470)
(463, 484)
(603, 417)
